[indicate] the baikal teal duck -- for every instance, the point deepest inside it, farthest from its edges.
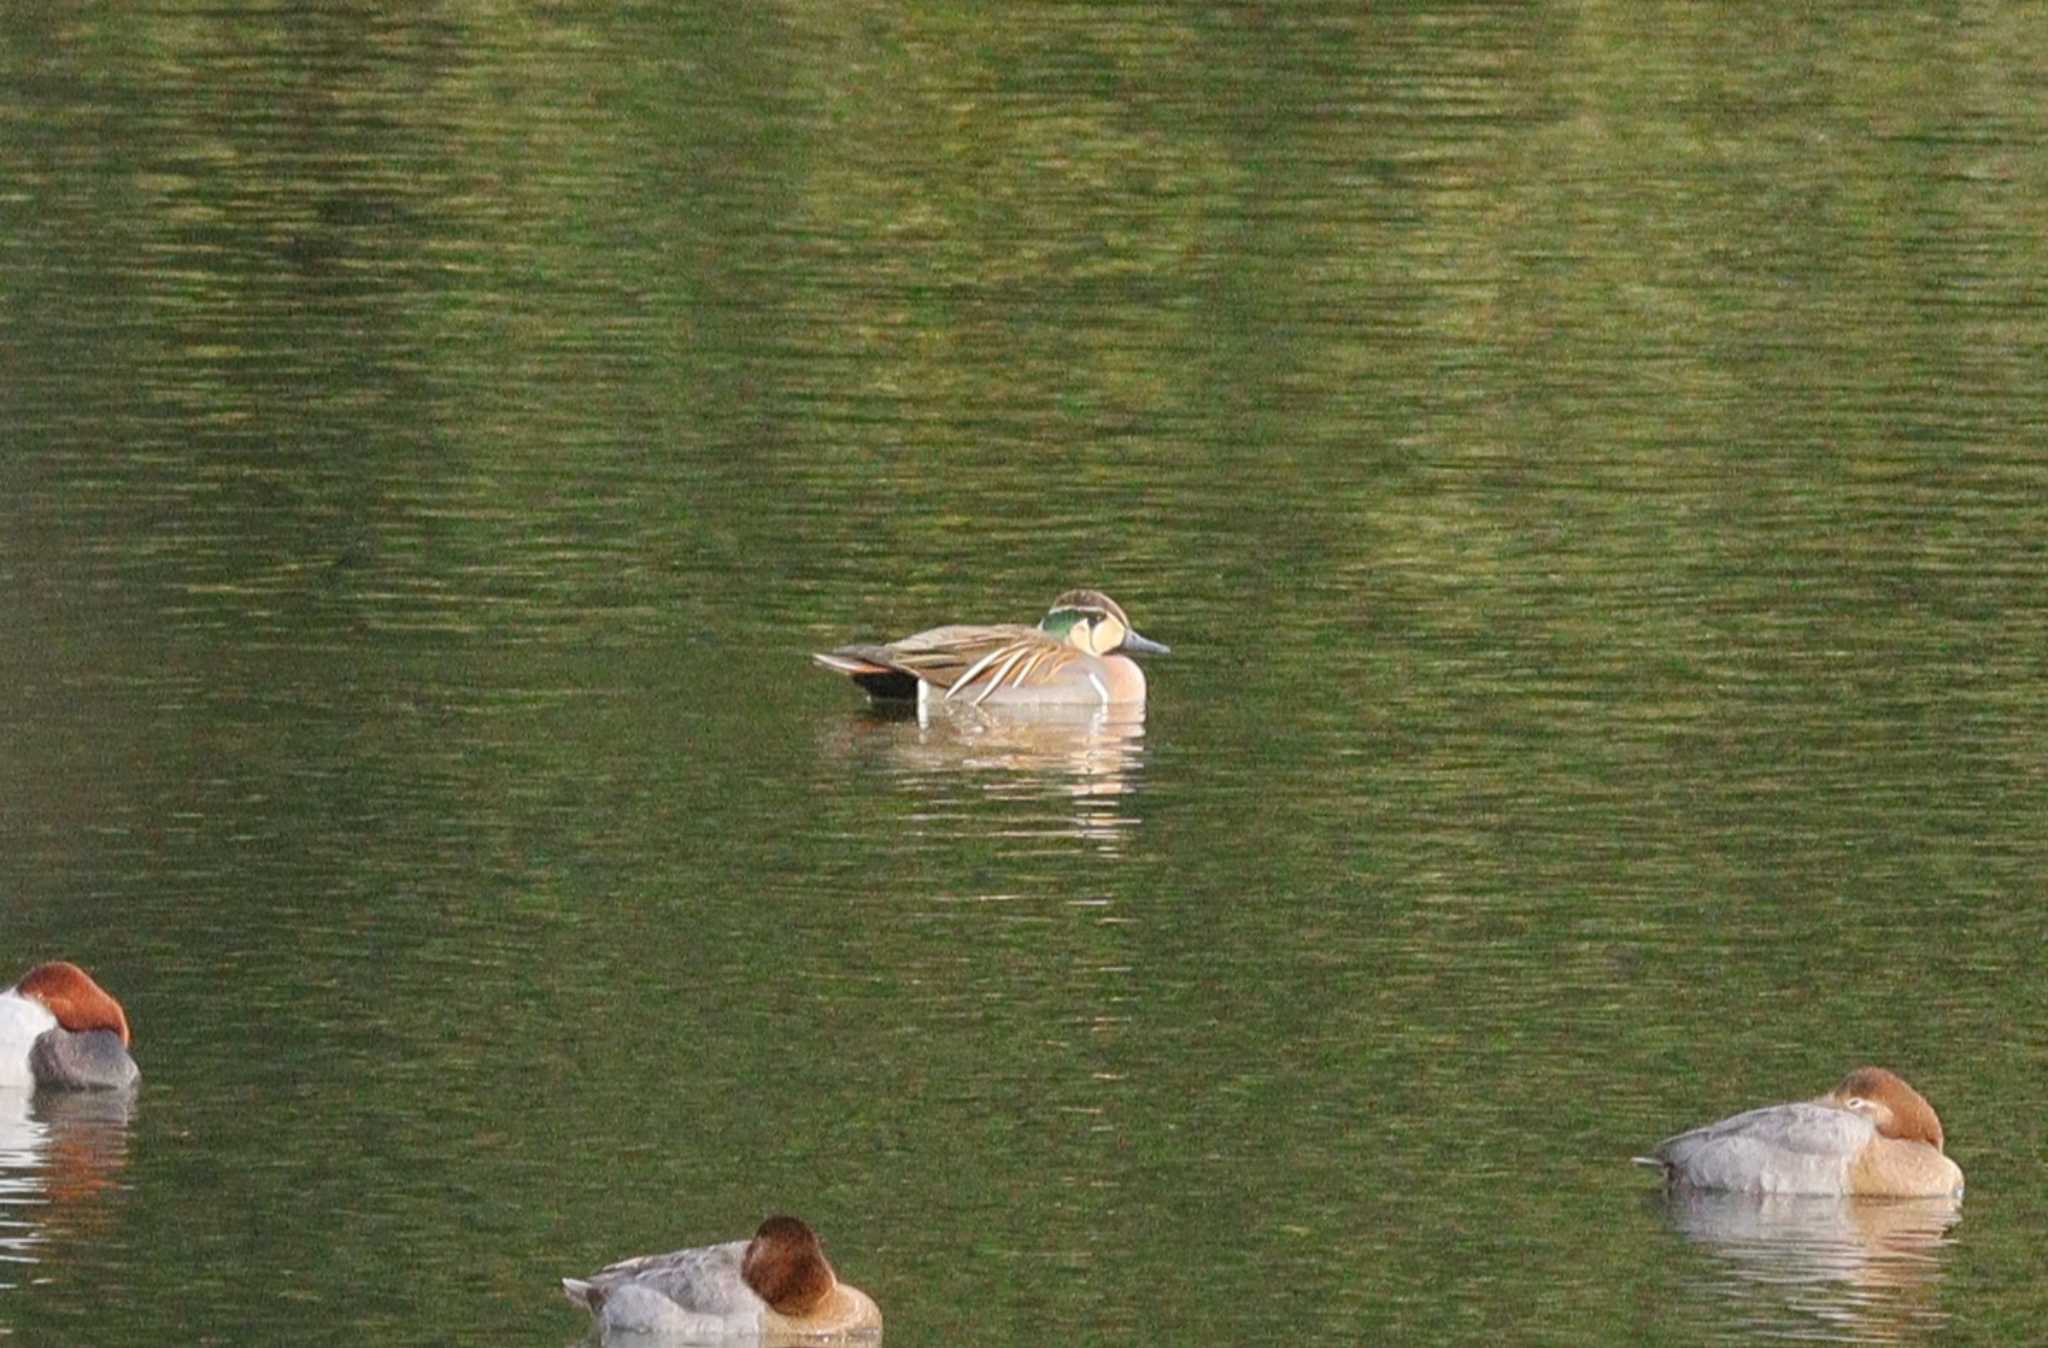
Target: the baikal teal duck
(1079, 655)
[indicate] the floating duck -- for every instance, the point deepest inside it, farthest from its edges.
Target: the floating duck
(1078, 655)
(1871, 1136)
(59, 1028)
(776, 1288)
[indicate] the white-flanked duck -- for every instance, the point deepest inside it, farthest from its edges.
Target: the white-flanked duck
(59, 1028)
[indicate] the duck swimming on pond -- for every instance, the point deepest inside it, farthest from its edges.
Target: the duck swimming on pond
(58, 1028)
(1078, 655)
(1871, 1136)
(776, 1288)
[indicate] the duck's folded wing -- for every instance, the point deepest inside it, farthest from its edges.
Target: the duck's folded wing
(704, 1280)
(1011, 658)
(1803, 1127)
(976, 659)
(1784, 1148)
(92, 1058)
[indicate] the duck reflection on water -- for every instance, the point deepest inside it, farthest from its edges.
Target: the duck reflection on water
(1828, 1268)
(61, 1157)
(1089, 761)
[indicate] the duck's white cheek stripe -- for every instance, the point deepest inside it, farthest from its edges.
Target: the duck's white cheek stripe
(1100, 691)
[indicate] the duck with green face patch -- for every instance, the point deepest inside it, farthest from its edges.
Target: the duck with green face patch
(1077, 656)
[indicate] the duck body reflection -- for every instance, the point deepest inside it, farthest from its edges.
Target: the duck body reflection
(61, 1157)
(1814, 1267)
(975, 769)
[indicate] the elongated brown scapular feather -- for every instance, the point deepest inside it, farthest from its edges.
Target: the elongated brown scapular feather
(938, 657)
(1014, 664)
